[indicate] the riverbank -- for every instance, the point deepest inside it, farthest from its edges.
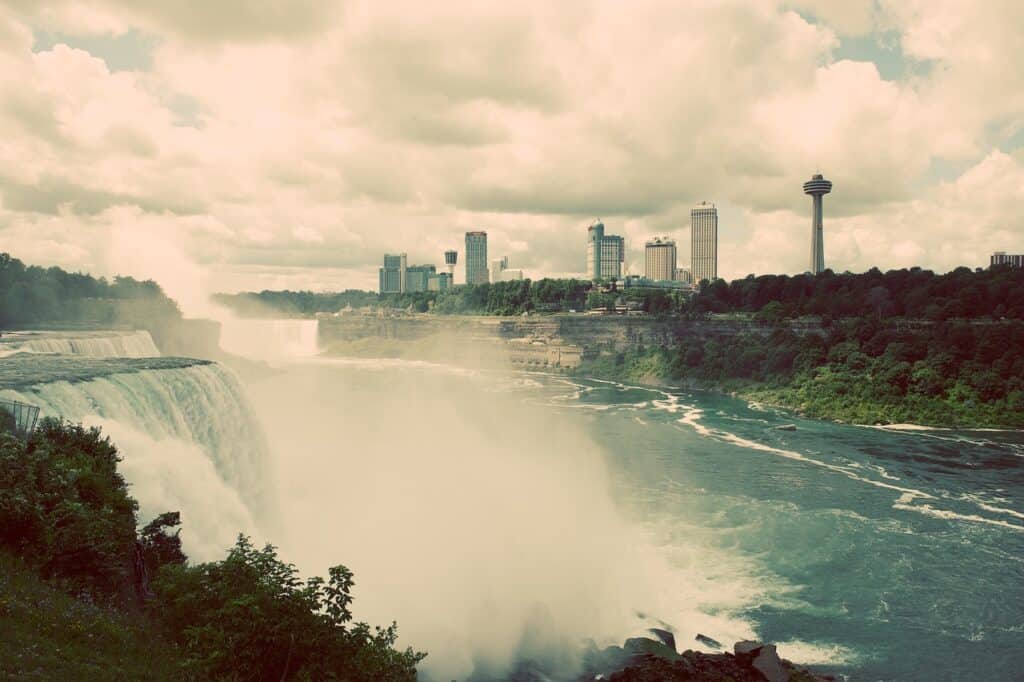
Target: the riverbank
(828, 392)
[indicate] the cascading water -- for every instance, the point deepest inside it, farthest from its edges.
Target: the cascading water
(189, 440)
(270, 340)
(112, 344)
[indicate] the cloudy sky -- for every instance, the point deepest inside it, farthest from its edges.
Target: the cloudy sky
(243, 145)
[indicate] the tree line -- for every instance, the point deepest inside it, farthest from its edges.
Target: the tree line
(31, 295)
(914, 293)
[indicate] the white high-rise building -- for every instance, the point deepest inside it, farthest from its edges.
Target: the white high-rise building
(660, 259)
(501, 272)
(704, 242)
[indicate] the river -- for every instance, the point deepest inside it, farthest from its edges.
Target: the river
(873, 553)
(498, 515)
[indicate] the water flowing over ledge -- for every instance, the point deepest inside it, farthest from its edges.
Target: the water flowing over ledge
(29, 369)
(97, 344)
(173, 411)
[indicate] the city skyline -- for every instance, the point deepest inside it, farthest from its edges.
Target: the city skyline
(290, 146)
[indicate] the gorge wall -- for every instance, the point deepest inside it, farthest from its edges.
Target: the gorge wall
(589, 333)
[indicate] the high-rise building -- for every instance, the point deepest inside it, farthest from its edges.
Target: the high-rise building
(817, 187)
(1001, 258)
(418, 276)
(497, 267)
(684, 275)
(660, 259)
(605, 253)
(704, 242)
(441, 281)
(501, 272)
(476, 258)
(392, 275)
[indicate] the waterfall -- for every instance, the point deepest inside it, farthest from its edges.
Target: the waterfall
(190, 441)
(270, 340)
(107, 344)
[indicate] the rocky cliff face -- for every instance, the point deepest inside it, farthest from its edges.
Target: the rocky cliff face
(592, 333)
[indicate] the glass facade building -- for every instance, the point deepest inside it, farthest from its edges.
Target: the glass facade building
(392, 275)
(476, 258)
(417, 277)
(605, 253)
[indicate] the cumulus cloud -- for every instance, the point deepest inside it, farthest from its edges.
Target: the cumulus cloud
(291, 144)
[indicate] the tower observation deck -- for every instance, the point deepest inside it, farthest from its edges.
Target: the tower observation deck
(817, 187)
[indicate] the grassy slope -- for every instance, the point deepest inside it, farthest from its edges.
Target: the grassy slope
(48, 635)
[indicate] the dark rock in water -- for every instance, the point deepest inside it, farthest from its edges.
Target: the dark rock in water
(767, 661)
(746, 648)
(641, 659)
(650, 647)
(666, 637)
(691, 666)
(707, 641)
(605, 661)
(786, 427)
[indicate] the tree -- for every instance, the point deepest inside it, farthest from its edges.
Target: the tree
(160, 544)
(250, 617)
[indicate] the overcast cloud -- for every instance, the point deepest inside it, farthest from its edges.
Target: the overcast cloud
(290, 144)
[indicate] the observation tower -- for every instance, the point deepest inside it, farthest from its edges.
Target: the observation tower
(450, 259)
(817, 187)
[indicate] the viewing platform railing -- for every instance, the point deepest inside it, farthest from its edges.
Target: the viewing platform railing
(18, 417)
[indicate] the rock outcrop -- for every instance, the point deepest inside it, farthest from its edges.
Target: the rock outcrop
(643, 659)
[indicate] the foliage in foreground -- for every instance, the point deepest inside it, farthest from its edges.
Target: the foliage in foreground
(46, 634)
(66, 517)
(303, 630)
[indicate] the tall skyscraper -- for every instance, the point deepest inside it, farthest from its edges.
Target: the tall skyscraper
(817, 187)
(660, 259)
(704, 242)
(476, 258)
(605, 253)
(392, 275)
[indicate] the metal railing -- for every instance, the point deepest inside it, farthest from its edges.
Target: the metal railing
(20, 418)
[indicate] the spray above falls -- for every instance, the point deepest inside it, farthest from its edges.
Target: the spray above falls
(272, 341)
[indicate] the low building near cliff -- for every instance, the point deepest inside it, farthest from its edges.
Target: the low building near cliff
(544, 353)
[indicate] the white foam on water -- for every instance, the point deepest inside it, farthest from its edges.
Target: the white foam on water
(817, 653)
(692, 419)
(947, 515)
(990, 504)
